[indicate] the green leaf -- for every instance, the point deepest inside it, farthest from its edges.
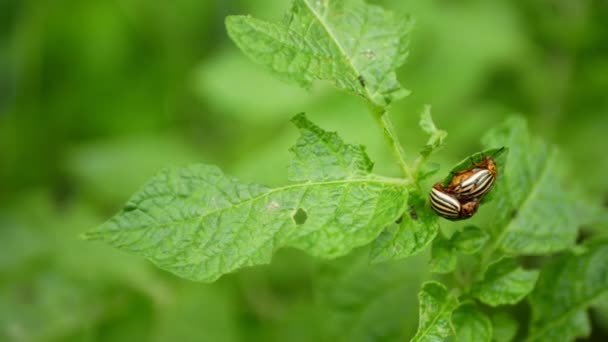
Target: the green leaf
(436, 307)
(504, 326)
(538, 213)
(469, 240)
(443, 256)
(504, 282)
(354, 45)
(200, 224)
(322, 156)
(470, 324)
(369, 302)
(566, 288)
(418, 228)
(437, 136)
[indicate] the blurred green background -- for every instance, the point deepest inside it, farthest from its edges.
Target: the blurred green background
(96, 96)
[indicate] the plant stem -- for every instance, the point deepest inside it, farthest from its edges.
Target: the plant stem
(385, 123)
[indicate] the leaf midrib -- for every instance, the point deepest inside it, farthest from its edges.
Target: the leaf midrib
(434, 320)
(334, 39)
(530, 194)
(375, 180)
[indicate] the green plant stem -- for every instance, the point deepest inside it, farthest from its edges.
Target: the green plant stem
(385, 123)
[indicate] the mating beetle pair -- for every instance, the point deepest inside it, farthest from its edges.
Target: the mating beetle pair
(460, 200)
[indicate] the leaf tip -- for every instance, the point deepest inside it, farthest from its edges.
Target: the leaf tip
(231, 20)
(235, 26)
(300, 119)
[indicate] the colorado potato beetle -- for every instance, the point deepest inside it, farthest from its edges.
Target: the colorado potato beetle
(475, 182)
(448, 206)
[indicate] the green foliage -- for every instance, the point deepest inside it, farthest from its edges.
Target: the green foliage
(537, 214)
(469, 240)
(338, 205)
(366, 302)
(354, 45)
(470, 324)
(200, 224)
(443, 256)
(436, 136)
(322, 156)
(436, 306)
(566, 288)
(417, 229)
(504, 326)
(167, 87)
(504, 282)
(420, 225)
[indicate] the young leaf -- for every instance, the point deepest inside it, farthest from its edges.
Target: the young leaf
(537, 215)
(566, 288)
(504, 282)
(436, 136)
(471, 325)
(418, 228)
(469, 240)
(436, 307)
(354, 45)
(199, 224)
(443, 256)
(504, 327)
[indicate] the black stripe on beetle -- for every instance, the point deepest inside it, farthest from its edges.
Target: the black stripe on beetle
(478, 184)
(444, 204)
(449, 207)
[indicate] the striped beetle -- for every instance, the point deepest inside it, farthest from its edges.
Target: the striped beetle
(475, 182)
(449, 207)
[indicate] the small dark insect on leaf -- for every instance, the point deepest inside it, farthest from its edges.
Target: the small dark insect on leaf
(399, 220)
(361, 80)
(413, 213)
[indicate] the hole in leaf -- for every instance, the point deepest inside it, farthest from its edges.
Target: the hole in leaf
(300, 216)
